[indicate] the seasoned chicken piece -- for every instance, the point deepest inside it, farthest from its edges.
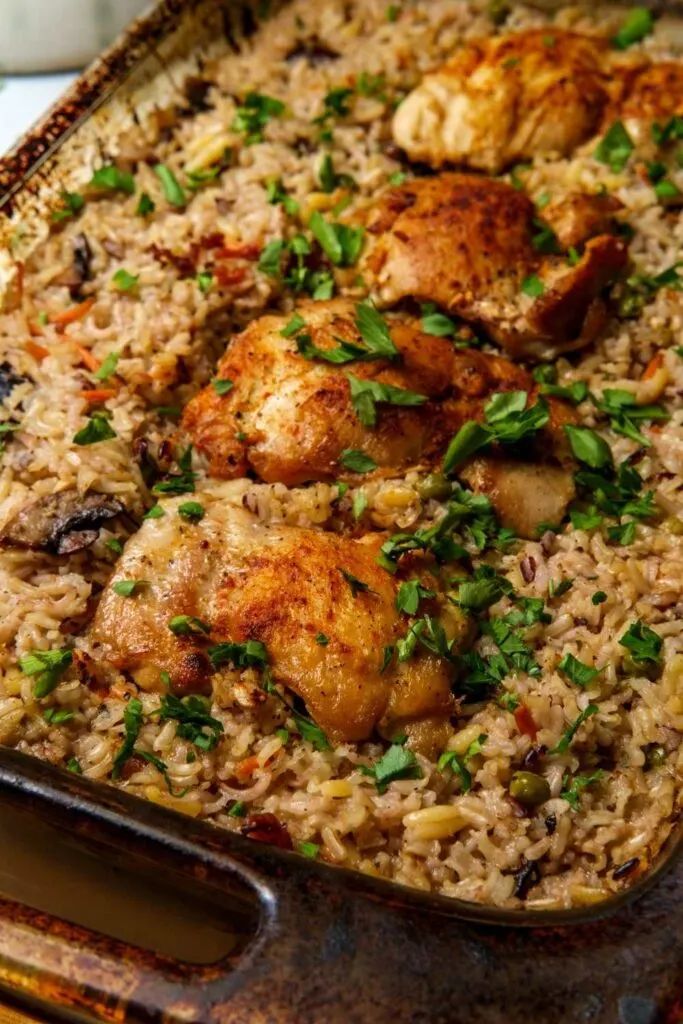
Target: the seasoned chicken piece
(507, 98)
(466, 243)
(285, 587)
(649, 93)
(524, 495)
(580, 216)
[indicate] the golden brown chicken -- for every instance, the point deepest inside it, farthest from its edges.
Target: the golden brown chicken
(319, 602)
(289, 419)
(471, 245)
(649, 93)
(507, 98)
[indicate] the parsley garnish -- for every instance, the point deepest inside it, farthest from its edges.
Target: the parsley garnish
(145, 206)
(72, 204)
(615, 147)
(195, 723)
(409, 596)
(250, 654)
(643, 643)
(108, 366)
(47, 667)
(188, 625)
(132, 720)
(568, 735)
(532, 286)
(578, 673)
(178, 483)
(366, 393)
(458, 764)
(638, 24)
(96, 429)
(124, 281)
(111, 179)
(484, 589)
(341, 243)
(192, 510)
(254, 114)
(221, 385)
(357, 461)
(397, 763)
(276, 194)
(624, 412)
(374, 331)
(322, 639)
(357, 586)
(127, 588)
(508, 421)
(588, 447)
(573, 786)
(172, 189)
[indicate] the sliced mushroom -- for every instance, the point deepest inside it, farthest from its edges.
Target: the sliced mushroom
(60, 523)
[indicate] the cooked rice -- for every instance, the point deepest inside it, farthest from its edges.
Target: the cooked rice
(425, 832)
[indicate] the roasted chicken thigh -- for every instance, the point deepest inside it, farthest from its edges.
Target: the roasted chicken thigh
(471, 245)
(319, 602)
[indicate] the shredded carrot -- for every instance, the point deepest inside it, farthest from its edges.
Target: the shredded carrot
(37, 351)
(525, 721)
(248, 766)
(95, 395)
(230, 275)
(654, 365)
(246, 251)
(71, 315)
(87, 358)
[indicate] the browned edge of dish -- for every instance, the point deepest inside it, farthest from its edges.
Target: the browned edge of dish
(332, 944)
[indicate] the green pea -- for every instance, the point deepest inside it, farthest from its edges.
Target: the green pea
(655, 755)
(529, 789)
(436, 486)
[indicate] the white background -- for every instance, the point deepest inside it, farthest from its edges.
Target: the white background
(23, 99)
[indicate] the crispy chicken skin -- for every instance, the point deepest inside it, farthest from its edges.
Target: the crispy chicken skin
(649, 93)
(282, 586)
(465, 243)
(288, 419)
(507, 98)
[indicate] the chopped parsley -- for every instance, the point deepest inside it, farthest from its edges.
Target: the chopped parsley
(178, 483)
(438, 324)
(625, 412)
(329, 178)
(644, 645)
(562, 746)
(250, 654)
(341, 243)
(484, 589)
(357, 461)
(221, 385)
(132, 721)
(145, 206)
(508, 421)
(365, 394)
(111, 179)
(72, 204)
(578, 673)
(599, 597)
(195, 723)
(576, 392)
(128, 588)
(252, 117)
(357, 586)
(47, 668)
(108, 366)
(588, 447)
(374, 331)
(173, 191)
(639, 23)
(156, 512)
(205, 281)
(322, 640)
(397, 763)
(96, 429)
(124, 281)
(532, 286)
(188, 625)
(615, 147)
(192, 511)
(458, 764)
(115, 545)
(276, 195)
(409, 596)
(573, 786)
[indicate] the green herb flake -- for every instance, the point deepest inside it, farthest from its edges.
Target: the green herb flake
(357, 586)
(47, 667)
(639, 23)
(532, 286)
(573, 786)
(322, 639)
(238, 810)
(253, 115)
(250, 654)
(73, 765)
(188, 625)
(195, 723)
(124, 281)
(222, 385)
(409, 595)
(111, 179)
(294, 325)
(72, 204)
(374, 331)
(365, 394)
(127, 588)
(588, 447)
(568, 735)
(173, 190)
(599, 597)
(96, 429)
(108, 366)
(115, 545)
(357, 461)
(578, 673)
(132, 721)
(615, 147)
(310, 850)
(156, 512)
(341, 243)
(205, 281)
(397, 763)
(644, 645)
(146, 205)
(192, 511)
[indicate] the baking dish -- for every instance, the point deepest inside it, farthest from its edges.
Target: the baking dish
(328, 944)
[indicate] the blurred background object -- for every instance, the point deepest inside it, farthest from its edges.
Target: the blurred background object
(51, 35)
